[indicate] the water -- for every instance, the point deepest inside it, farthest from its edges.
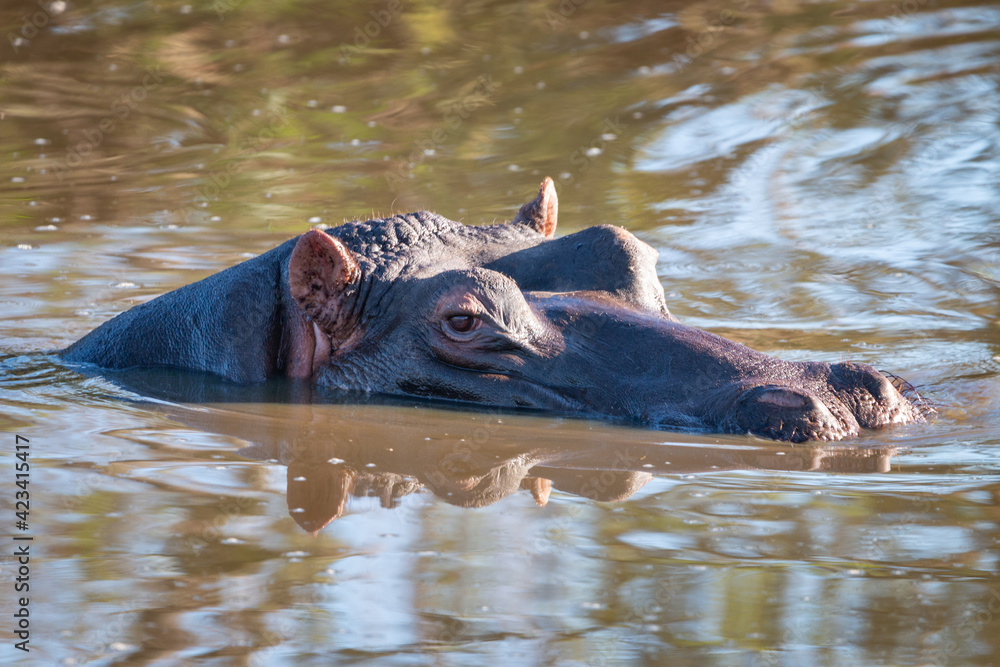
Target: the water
(821, 180)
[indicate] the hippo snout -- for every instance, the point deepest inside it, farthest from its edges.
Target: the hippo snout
(835, 403)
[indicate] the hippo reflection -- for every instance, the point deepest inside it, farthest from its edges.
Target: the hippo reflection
(501, 315)
(335, 453)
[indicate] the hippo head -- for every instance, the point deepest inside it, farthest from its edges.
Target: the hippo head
(507, 316)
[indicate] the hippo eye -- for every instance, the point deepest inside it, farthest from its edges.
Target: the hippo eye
(464, 323)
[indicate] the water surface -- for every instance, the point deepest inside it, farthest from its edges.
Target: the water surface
(820, 179)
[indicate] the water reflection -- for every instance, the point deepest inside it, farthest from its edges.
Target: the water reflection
(841, 203)
(339, 446)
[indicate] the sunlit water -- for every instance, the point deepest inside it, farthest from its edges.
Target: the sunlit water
(821, 180)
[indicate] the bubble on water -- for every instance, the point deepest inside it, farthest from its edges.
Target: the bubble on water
(215, 218)
(335, 460)
(232, 540)
(124, 284)
(315, 220)
(17, 179)
(338, 108)
(284, 39)
(609, 136)
(312, 104)
(300, 478)
(46, 228)
(513, 167)
(25, 246)
(42, 142)
(86, 218)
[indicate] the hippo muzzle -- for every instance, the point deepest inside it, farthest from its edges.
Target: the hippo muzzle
(622, 361)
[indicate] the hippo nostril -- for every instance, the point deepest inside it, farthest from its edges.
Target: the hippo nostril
(790, 414)
(871, 396)
(784, 398)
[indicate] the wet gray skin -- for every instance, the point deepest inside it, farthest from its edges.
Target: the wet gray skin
(499, 315)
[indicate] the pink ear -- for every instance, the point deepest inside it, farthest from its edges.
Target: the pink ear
(319, 272)
(541, 213)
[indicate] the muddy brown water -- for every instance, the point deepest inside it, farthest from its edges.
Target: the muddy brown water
(821, 179)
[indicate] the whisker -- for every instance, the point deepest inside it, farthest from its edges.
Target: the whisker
(911, 393)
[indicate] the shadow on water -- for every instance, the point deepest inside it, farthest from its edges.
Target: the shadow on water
(337, 445)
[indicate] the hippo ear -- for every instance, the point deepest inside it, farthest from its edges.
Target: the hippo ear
(541, 214)
(320, 273)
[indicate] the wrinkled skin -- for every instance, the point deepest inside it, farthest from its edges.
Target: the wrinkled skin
(501, 315)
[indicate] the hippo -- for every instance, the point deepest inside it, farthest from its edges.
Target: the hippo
(504, 315)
